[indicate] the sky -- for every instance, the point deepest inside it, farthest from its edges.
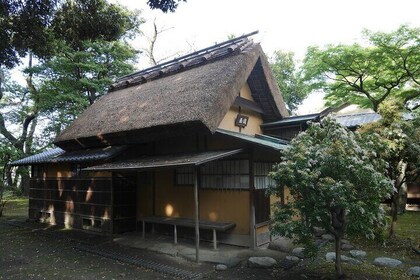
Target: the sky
(291, 25)
(283, 25)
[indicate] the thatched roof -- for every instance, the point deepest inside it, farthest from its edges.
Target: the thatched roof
(192, 94)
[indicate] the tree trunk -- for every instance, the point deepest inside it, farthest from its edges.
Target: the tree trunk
(395, 197)
(338, 267)
(338, 224)
(394, 214)
(282, 196)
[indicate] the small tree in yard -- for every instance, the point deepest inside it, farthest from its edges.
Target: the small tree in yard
(401, 139)
(336, 182)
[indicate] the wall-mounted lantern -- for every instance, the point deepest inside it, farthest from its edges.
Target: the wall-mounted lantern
(241, 120)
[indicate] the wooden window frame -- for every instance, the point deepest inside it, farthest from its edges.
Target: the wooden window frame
(189, 173)
(226, 170)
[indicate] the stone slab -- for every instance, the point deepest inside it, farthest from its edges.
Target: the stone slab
(261, 262)
(386, 262)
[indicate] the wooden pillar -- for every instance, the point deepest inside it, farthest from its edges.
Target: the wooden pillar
(197, 228)
(111, 235)
(253, 239)
(153, 175)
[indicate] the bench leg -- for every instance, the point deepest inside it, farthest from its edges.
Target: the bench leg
(175, 235)
(214, 240)
(143, 234)
(153, 228)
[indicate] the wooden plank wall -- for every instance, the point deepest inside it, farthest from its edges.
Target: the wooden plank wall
(124, 189)
(82, 203)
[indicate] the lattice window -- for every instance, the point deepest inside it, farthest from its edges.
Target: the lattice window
(227, 174)
(184, 176)
(261, 178)
(37, 171)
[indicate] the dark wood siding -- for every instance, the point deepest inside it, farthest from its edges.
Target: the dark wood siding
(262, 206)
(84, 203)
(124, 203)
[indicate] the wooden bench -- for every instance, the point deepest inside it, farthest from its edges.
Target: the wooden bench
(185, 222)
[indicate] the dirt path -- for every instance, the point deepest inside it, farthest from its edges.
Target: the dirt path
(28, 251)
(35, 254)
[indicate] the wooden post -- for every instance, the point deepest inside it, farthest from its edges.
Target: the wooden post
(175, 235)
(253, 240)
(214, 239)
(197, 228)
(111, 236)
(153, 175)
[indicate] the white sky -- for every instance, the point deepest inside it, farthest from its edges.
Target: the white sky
(291, 25)
(287, 25)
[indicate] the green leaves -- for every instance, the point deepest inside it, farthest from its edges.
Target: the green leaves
(328, 168)
(76, 49)
(367, 75)
(288, 78)
(75, 79)
(38, 26)
(79, 21)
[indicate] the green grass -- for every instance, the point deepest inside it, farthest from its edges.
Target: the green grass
(407, 235)
(16, 208)
(408, 226)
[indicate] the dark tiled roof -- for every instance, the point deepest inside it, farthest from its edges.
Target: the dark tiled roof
(293, 120)
(260, 140)
(58, 155)
(161, 161)
(89, 155)
(43, 157)
(355, 120)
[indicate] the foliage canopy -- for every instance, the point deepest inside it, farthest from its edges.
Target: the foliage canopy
(336, 182)
(401, 139)
(84, 51)
(164, 5)
(367, 75)
(288, 78)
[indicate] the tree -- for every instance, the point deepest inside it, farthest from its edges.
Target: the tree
(152, 39)
(24, 28)
(164, 5)
(73, 79)
(401, 139)
(386, 68)
(79, 21)
(16, 108)
(336, 182)
(403, 47)
(92, 53)
(288, 78)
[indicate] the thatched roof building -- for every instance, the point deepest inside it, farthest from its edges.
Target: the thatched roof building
(192, 93)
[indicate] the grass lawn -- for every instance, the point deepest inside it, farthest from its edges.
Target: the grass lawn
(408, 226)
(29, 254)
(407, 235)
(16, 208)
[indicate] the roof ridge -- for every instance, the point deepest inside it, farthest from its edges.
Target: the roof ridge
(194, 59)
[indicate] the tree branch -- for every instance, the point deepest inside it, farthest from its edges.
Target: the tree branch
(3, 130)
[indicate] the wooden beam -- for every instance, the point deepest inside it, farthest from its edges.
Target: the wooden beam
(197, 229)
(248, 104)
